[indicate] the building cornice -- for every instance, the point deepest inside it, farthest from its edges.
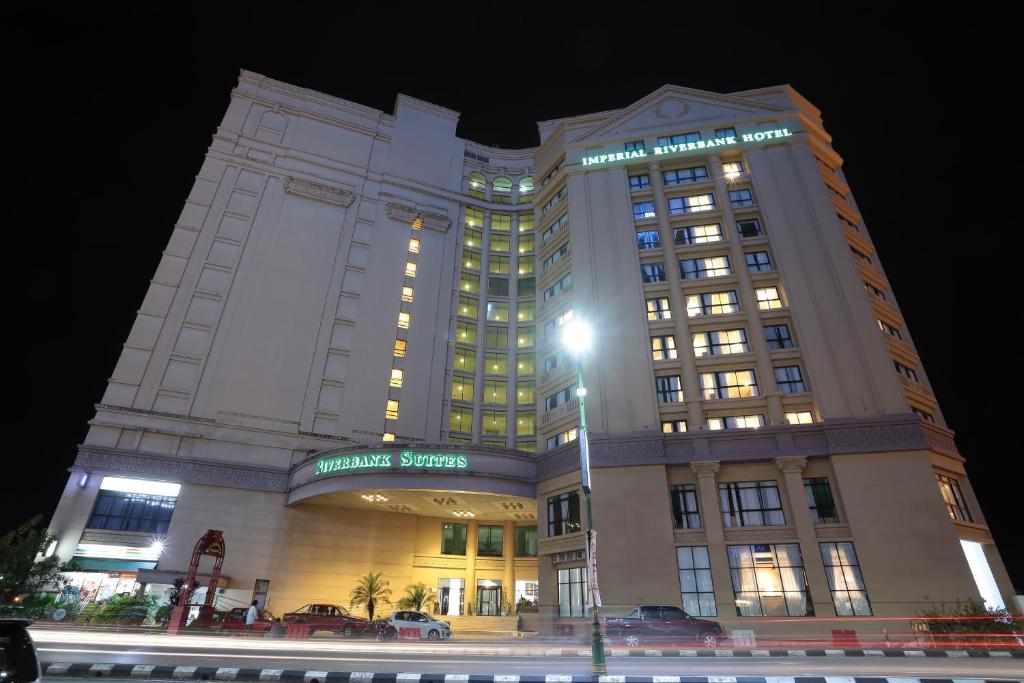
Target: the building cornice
(319, 192)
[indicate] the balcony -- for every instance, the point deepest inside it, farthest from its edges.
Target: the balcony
(555, 414)
(558, 371)
(913, 386)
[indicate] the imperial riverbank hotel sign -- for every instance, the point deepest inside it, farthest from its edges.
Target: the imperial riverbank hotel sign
(385, 461)
(663, 150)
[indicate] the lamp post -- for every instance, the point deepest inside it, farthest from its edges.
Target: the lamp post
(577, 338)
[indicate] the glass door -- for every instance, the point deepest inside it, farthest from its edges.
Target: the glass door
(488, 599)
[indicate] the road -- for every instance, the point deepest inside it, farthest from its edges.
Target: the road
(480, 658)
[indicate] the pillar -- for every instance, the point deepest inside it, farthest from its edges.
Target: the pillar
(472, 539)
(792, 468)
(711, 519)
(509, 553)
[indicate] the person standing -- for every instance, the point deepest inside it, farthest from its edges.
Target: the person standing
(250, 616)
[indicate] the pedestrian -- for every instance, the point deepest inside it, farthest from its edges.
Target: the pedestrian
(250, 616)
(276, 630)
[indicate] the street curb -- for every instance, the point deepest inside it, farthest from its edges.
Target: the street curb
(209, 673)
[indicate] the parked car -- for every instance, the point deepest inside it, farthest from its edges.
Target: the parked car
(19, 662)
(665, 624)
(328, 618)
(234, 620)
(428, 627)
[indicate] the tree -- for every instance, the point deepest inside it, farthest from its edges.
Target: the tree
(370, 590)
(19, 571)
(417, 597)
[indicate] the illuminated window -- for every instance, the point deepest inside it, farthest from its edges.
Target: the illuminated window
(400, 345)
(396, 377)
(720, 342)
(736, 422)
(495, 363)
(680, 139)
(465, 359)
(712, 303)
(526, 423)
(802, 417)
(462, 388)
(769, 581)
(501, 190)
(673, 426)
(495, 391)
(470, 283)
(407, 293)
(643, 210)
(468, 306)
(474, 219)
(680, 176)
(391, 412)
(474, 238)
(956, 504)
(525, 187)
(526, 393)
(526, 337)
(789, 380)
(768, 298)
(525, 363)
(501, 221)
(526, 446)
(751, 503)
(525, 311)
(648, 239)
(493, 422)
(669, 388)
(849, 595)
(564, 510)
(470, 259)
(732, 170)
(551, 326)
(778, 337)
(698, 234)
(695, 585)
(526, 222)
(692, 204)
(526, 244)
(460, 419)
(387, 436)
(563, 438)
(404, 320)
(758, 262)
(639, 182)
(124, 510)
(410, 269)
(741, 197)
(496, 337)
(414, 245)
(652, 272)
(731, 384)
(750, 227)
(527, 265)
(465, 332)
(501, 243)
(663, 348)
(658, 309)
(712, 266)
(497, 311)
(477, 185)
(498, 265)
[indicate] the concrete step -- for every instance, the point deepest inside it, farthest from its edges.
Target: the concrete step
(492, 624)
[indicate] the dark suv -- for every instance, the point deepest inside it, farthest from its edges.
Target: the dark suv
(18, 660)
(663, 624)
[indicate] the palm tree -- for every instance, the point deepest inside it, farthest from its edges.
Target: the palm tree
(370, 589)
(417, 597)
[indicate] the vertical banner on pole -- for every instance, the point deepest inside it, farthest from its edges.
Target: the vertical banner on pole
(595, 591)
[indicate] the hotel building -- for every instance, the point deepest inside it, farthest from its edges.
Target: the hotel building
(349, 361)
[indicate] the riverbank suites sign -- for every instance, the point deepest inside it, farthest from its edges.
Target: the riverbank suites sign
(383, 461)
(664, 150)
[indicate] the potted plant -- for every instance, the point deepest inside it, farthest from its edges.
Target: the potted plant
(370, 590)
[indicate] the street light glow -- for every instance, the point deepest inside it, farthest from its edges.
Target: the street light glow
(577, 336)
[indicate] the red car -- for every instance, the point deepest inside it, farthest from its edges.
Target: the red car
(328, 618)
(235, 620)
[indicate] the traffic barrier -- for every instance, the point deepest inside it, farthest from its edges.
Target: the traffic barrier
(299, 631)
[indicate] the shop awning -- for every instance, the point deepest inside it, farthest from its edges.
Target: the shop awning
(167, 576)
(94, 564)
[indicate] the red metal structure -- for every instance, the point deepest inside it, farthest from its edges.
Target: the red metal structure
(212, 544)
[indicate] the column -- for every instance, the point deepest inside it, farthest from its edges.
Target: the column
(472, 539)
(509, 553)
(711, 518)
(677, 301)
(755, 333)
(792, 468)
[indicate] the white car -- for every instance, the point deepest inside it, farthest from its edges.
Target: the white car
(429, 627)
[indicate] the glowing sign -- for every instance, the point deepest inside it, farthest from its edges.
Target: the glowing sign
(663, 150)
(385, 461)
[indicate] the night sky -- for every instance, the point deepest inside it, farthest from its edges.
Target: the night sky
(109, 117)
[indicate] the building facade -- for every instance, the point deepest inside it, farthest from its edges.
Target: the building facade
(349, 361)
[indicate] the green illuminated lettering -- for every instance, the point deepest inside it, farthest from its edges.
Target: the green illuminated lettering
(747, 137)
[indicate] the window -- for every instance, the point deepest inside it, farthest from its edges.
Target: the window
(956, 505)
(501, 221)
(462, 388)
(489, 541)
(562, 253)
(648, 239)
(497, 286)
(802, 417)
(526, 337)
(552, 362)
(736, 422)
(474, 218)
(495, 363)
(496, 337)
(673, 426)
(467, 306)
(751, 503)
(453, 538)
(501, 243)
(758, 262)
(768, 298)
(404, 320)
(414, 245)
(698, 234)
(670, 389)
(712, 303)
(642, 210)
(528, 446)
(789, 380)
(526, 286)
(391, 411)
(407, 294)
(396, 378)
(849, 595)
(778, 337)
(465, 359)
(525, 311)
(902, 369)
(470, 259)
(526, 392)
(563, 438)
(874, 291)
(477, 183)
(572, 592)
(680, 139)
(639, 182)
(559, 397)
(501, 190)
(731, 384)
(526, 541)
(460, 420)
(663, 348)
(725, 132)
(526, 223)
(819, 501)
(498, 265)
(400, 348)
(497, 311)
(684, 506)
(410, 269)
(474, 238)
(889, 329)
(695, 581)
(924, 415)
(634, 146)
(652, 272)
(749, 227)
(711, 266)
(527, 266)
(554, 228)
(693, 204)
(526, 244)
(696, 174)
(564, 514)
(387, 436)
(524, 364)
(495, 391)
(565, 283)
(465, 332)
(557, 199)
(741, 197)
(127, 511)
(493, 422)
(732, 170)
(720, 342)
(525, 186)
(658, 309)
(769, 581)
(526, 423)
(469, 283)
(861, 255)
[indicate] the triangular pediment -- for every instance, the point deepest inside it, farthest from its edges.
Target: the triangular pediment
(673, 106)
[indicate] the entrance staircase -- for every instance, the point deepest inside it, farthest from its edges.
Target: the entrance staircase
(481, 625)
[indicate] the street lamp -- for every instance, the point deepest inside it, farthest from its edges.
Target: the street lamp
(577, 339)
